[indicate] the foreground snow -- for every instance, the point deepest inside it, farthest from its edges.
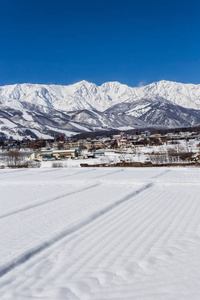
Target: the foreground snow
(95, 233)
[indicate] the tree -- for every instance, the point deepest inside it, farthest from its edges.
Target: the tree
(14, 158)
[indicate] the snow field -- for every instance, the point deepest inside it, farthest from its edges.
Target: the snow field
(100, 233)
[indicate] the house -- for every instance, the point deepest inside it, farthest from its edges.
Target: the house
(54, 154)
(40, 154)
(99, 153)
(60, 154)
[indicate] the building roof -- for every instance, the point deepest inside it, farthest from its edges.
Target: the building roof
(63, 151)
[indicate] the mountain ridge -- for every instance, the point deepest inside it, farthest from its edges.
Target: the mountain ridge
(86, 95)
(49, 110)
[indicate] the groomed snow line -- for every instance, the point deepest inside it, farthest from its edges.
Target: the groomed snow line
(100, 233)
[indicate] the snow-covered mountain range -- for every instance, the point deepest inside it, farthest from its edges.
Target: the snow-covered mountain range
(46, 110)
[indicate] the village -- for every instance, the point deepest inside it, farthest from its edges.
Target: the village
(141, 147)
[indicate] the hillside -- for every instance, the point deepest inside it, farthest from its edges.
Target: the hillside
(48, 110)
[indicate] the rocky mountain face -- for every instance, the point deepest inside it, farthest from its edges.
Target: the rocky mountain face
(35, 110)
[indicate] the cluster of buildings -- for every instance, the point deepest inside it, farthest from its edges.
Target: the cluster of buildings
(77, 147)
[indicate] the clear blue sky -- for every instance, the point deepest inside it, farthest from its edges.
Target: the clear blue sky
(131, 41)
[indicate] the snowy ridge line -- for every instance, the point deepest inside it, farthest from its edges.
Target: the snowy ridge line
(45, 244)
(35, 110)
(36, 204)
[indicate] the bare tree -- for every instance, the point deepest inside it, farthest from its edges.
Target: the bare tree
(14, 159)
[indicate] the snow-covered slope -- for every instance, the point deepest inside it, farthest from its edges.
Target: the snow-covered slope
(85, 95)
(158, 112)
(47, 110)
(186, 95)
(35, 121)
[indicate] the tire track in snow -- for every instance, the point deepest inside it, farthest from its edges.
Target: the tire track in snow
(107, 174)
(163, 218)
(71, 174)
(114, 226)
(45, 171)
(37, 204)
(161, 174)
(123, 233)
(168, 224)
(14, 171)
(45, 244)
(53, 170)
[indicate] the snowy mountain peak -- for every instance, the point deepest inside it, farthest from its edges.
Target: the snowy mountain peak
(84, 106)
(86, 95)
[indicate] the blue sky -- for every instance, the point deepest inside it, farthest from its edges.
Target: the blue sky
(131, 41)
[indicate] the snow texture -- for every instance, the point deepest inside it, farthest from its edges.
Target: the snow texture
(100, 233)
